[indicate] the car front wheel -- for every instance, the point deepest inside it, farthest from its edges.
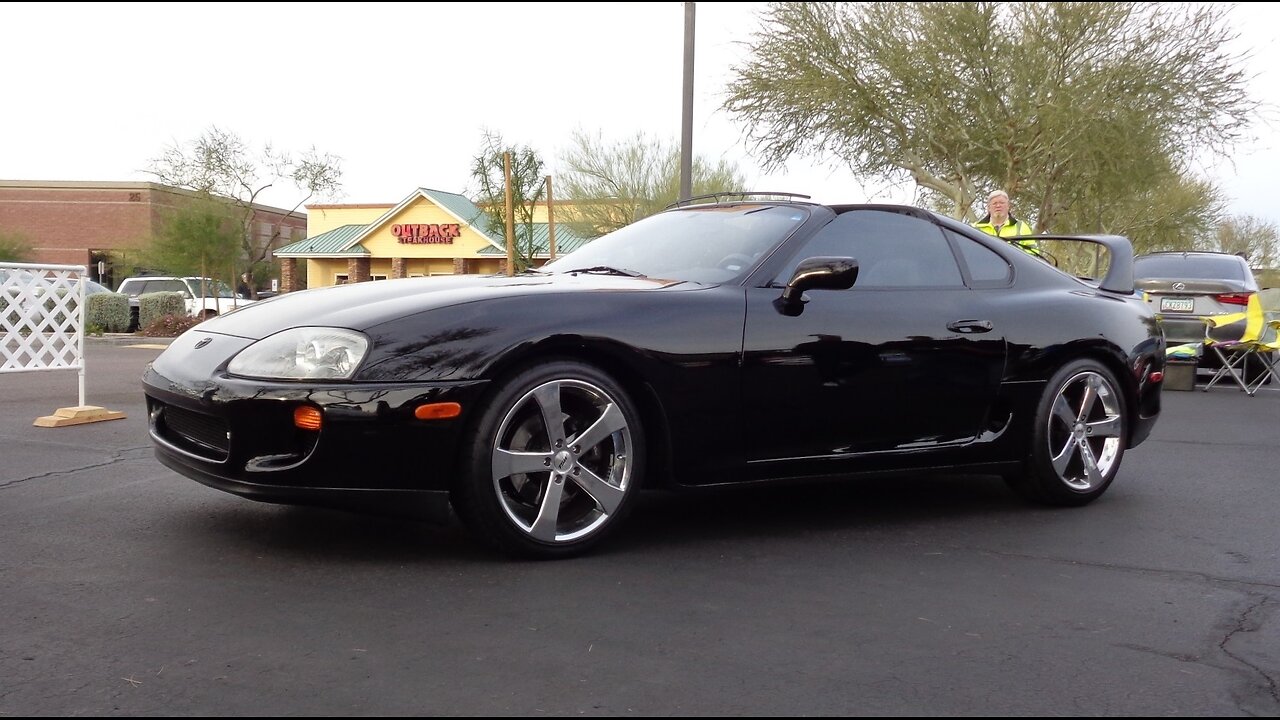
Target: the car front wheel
(1078, 438)
(554, 463)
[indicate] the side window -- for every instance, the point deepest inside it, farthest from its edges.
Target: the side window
(893, 250)
(986, 267)
(168, 286)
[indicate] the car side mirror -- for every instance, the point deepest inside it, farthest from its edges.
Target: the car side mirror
(819, 273)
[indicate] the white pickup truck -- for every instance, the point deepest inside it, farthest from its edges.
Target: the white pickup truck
(205, 297)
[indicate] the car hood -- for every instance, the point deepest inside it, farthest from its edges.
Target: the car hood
(359, 306)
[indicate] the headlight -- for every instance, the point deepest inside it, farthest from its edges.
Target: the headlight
(302, 354)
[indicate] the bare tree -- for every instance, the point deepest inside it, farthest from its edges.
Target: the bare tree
(221, 165)
(615, 184)
(527, 189)
(1058, 103)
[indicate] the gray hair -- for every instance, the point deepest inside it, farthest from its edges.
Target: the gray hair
(997, 193)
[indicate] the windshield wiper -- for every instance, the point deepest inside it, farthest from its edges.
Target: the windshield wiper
(606, 270)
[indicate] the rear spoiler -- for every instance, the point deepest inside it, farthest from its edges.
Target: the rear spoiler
(1119, 277)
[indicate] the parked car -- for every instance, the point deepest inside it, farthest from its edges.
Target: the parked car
(1185, 286)
(19, 288)
(12, 278)
(205, 297)
(738, 341)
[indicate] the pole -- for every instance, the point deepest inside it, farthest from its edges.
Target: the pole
(511, 229)
(551, 222)
(81, 316)
(686, 135)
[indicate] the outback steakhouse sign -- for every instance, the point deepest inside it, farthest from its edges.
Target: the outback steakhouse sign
(426, 234)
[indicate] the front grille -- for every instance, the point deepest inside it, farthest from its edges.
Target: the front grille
(207, 433)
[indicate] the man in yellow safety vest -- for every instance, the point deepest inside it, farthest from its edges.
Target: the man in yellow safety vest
(1002, 224)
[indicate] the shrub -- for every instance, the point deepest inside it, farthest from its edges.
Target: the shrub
(108, 311)
(170, 325)
(153, 306)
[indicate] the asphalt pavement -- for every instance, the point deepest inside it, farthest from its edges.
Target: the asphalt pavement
(126, 589)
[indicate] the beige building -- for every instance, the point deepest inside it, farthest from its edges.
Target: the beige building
(430, 232)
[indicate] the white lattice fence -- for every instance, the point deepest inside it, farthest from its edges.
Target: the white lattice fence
(42, 318)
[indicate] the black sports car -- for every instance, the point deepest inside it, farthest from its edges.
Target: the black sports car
(728, 342)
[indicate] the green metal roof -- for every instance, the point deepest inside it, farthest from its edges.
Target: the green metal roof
(344, 241)
(566, 241)
(460, 206)
(335, 242)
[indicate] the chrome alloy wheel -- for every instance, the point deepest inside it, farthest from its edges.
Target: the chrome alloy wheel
(1084, 431)
(560, 460)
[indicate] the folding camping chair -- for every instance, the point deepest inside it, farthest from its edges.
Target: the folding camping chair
(1258, 341)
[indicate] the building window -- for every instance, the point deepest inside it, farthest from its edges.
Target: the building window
(341, 279)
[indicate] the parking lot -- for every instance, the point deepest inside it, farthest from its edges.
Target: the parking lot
(129, 590)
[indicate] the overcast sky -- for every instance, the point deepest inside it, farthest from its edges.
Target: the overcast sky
(402, 93)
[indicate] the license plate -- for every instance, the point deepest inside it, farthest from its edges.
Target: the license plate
(1177, 304)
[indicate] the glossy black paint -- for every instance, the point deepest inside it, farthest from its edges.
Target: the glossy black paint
(735, 383)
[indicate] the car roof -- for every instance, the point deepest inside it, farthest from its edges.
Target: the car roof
(167, 277)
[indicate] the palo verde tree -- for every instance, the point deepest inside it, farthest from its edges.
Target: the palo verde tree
(615, 184)
(14, 247)
(222, 166)
(201, 239)
(1067, 106)
(528, 188)
(1248, 236)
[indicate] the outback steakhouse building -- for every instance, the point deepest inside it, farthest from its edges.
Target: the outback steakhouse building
(84, 223)
(430, 232)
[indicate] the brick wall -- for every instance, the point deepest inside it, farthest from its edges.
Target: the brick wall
(64, 221)
(64, 224)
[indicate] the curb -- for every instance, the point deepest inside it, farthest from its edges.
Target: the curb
(125, 339)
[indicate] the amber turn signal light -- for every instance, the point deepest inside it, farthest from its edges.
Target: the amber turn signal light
(307, 417)
(437, 411)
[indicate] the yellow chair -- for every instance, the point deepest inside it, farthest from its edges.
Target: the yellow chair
(1258, 340)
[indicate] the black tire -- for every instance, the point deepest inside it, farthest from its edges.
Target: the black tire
(1078, 440)
(593, 464)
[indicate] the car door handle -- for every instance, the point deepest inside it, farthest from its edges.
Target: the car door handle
(970, 326)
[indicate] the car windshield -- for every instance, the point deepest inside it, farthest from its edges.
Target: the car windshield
(210, 289)
(1190, 267)
(712, 244)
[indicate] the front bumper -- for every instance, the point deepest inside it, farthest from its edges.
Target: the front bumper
(370, 454)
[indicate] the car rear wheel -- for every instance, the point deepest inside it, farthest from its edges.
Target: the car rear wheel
(1078, 438)
(555, 461)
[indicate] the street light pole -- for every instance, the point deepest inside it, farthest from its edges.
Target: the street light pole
(686, 135)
